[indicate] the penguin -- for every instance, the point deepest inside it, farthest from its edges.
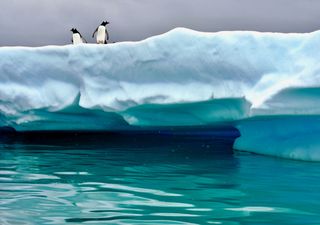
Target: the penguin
(77, 37)
(102, 33)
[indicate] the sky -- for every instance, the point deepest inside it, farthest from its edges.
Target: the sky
(48, 22)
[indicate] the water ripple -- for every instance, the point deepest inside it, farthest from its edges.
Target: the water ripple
(162, 185)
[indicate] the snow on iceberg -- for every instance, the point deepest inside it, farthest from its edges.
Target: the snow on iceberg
(179, 66)
(166, 80)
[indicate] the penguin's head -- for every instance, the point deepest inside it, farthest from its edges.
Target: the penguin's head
(104, 23)
(74, 30)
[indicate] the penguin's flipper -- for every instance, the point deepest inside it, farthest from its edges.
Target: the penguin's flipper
(94, 32)
(107, 34)
(82, 38)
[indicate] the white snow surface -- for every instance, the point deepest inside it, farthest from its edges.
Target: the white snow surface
(179, 66)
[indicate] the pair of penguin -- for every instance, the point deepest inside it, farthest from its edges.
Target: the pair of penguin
(102, 36)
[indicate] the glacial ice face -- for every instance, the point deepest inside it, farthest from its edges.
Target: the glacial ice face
(291, 137)
(169, 80)
(188, 114)
(296, 100)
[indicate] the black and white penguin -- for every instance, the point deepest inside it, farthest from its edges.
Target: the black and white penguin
(102, 33)
(77, 37)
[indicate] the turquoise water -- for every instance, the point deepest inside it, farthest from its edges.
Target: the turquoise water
(151, 180)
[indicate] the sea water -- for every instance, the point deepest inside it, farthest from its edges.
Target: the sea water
(148, 179)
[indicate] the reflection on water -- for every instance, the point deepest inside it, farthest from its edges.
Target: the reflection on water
(121, 180)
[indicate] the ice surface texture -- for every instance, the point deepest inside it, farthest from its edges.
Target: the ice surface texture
(166, 80)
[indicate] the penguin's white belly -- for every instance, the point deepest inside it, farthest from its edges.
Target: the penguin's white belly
(101, 37)
(77, 39)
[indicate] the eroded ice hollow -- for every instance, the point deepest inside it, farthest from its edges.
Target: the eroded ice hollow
(180, 78)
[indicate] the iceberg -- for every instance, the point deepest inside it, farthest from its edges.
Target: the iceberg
(259, 82)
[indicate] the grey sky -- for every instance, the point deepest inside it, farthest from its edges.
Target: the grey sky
(43, 22)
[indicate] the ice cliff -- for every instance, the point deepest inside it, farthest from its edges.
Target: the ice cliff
(182, 77)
